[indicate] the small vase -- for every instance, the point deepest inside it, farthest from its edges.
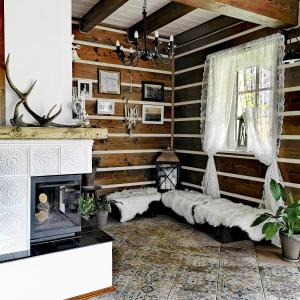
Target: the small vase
(290, 246)
(102, 218)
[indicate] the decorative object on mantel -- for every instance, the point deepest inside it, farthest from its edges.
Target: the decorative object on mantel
(152, 91)
(131, 116)
(43, 121)
(10, 132)
(75, 46)
(144, 52)
(78, 108)
(167, 171)
(109, 82)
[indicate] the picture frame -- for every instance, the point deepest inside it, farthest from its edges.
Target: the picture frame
(153, 91)
(153, 114)
(105, 107)
(85, 88)
(109, 82)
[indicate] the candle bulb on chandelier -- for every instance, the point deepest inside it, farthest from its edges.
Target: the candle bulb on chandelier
(171, 38)
(136, 35)
(118, 45)
(131, 50)
(156, 34)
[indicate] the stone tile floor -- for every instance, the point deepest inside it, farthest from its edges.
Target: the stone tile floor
(161, 258)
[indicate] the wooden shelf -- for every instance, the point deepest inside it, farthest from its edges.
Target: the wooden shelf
(10, 132)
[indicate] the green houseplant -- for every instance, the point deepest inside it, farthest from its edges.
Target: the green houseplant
(286, 221)
(86, 207)
(102, 207)
(89, 179)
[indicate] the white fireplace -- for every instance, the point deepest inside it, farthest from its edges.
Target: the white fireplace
(19, 161)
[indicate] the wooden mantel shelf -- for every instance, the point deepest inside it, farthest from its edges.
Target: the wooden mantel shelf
(10, 132)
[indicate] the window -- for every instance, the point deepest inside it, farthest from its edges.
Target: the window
(252, 89)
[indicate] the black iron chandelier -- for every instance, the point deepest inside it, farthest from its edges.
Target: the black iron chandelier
(141, 50)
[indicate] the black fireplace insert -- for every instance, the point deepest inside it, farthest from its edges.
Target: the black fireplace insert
(55, 207)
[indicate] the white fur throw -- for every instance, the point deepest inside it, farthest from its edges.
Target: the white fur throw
(135, 201)
(183, 202)
(225, 212)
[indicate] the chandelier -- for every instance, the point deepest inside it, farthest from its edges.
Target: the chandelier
(141, 50)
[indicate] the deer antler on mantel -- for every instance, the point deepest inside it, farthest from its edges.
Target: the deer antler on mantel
(43, 121)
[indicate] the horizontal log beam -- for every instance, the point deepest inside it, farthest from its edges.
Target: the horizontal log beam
(161, 17)
(98, 13)
(269, 13)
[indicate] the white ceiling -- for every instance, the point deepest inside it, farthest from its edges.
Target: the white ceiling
(131, 12)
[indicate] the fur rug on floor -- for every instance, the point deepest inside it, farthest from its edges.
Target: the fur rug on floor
(184, 202)
(225, 212)
(135, 201)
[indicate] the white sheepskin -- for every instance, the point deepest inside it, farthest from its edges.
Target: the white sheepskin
(135, 201)
(182, 202)
(225, 212)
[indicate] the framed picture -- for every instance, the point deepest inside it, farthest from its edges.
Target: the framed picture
(153, 91)
(109, 82)
(85, 88)
(105, 107)
(153, 114)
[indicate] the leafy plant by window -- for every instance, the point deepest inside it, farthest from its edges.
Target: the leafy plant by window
(287, 217)
(86, 206)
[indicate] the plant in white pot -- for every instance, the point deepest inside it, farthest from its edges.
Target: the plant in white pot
(102, 208)
(89, 178)
(86, 207)
(286, 221)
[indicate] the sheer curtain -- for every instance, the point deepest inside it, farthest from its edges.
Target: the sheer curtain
(262, 98)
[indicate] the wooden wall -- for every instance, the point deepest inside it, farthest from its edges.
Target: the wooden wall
(240, 176)
(128, 161)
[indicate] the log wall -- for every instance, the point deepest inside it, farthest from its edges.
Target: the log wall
(240, 176)
(127, 161)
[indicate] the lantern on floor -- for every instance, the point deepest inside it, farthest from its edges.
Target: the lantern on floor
(167, 171)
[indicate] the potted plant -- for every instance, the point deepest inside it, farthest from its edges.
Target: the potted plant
(89, 179)
(286, 221)
(86, 207)
(102, 207)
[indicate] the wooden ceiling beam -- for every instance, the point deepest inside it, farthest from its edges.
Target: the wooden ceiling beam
(269, 13)
(98, 13)
(161, 17)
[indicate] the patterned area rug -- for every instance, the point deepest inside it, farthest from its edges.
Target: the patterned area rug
(161, 259)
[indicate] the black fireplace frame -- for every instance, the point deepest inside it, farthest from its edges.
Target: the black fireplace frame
(55, 233)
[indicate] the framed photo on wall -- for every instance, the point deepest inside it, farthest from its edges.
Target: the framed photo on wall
(85, 88)
(153, 114)
(153, 91)
(109, 82)
(105, 107)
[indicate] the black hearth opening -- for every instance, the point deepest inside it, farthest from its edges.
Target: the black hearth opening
(55, 207)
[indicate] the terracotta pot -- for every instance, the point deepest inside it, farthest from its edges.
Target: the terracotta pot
(290, 246)
(102, 218)
(89, 179)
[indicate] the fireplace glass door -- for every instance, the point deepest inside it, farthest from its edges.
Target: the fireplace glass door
(55, 207)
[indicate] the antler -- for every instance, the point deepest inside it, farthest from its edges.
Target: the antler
(17, 119)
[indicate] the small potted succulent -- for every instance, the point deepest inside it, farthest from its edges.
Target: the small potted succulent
(89, 179)
(102, 208)
(86, 207)
(286, 221)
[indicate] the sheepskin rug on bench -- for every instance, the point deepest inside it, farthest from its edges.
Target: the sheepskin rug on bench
(225, 212)
(184, 202)
(134, 201)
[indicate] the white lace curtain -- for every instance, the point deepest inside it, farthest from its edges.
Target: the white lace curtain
(262, 98)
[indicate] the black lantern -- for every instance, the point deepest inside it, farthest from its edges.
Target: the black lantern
(242, 133)
(167, 171)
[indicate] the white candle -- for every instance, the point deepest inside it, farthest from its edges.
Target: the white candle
(136, 35)
(131, 50)
(117, 43)
(156, 34)
(171, 38)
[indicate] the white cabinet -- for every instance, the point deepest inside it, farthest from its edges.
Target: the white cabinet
(19, 161)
